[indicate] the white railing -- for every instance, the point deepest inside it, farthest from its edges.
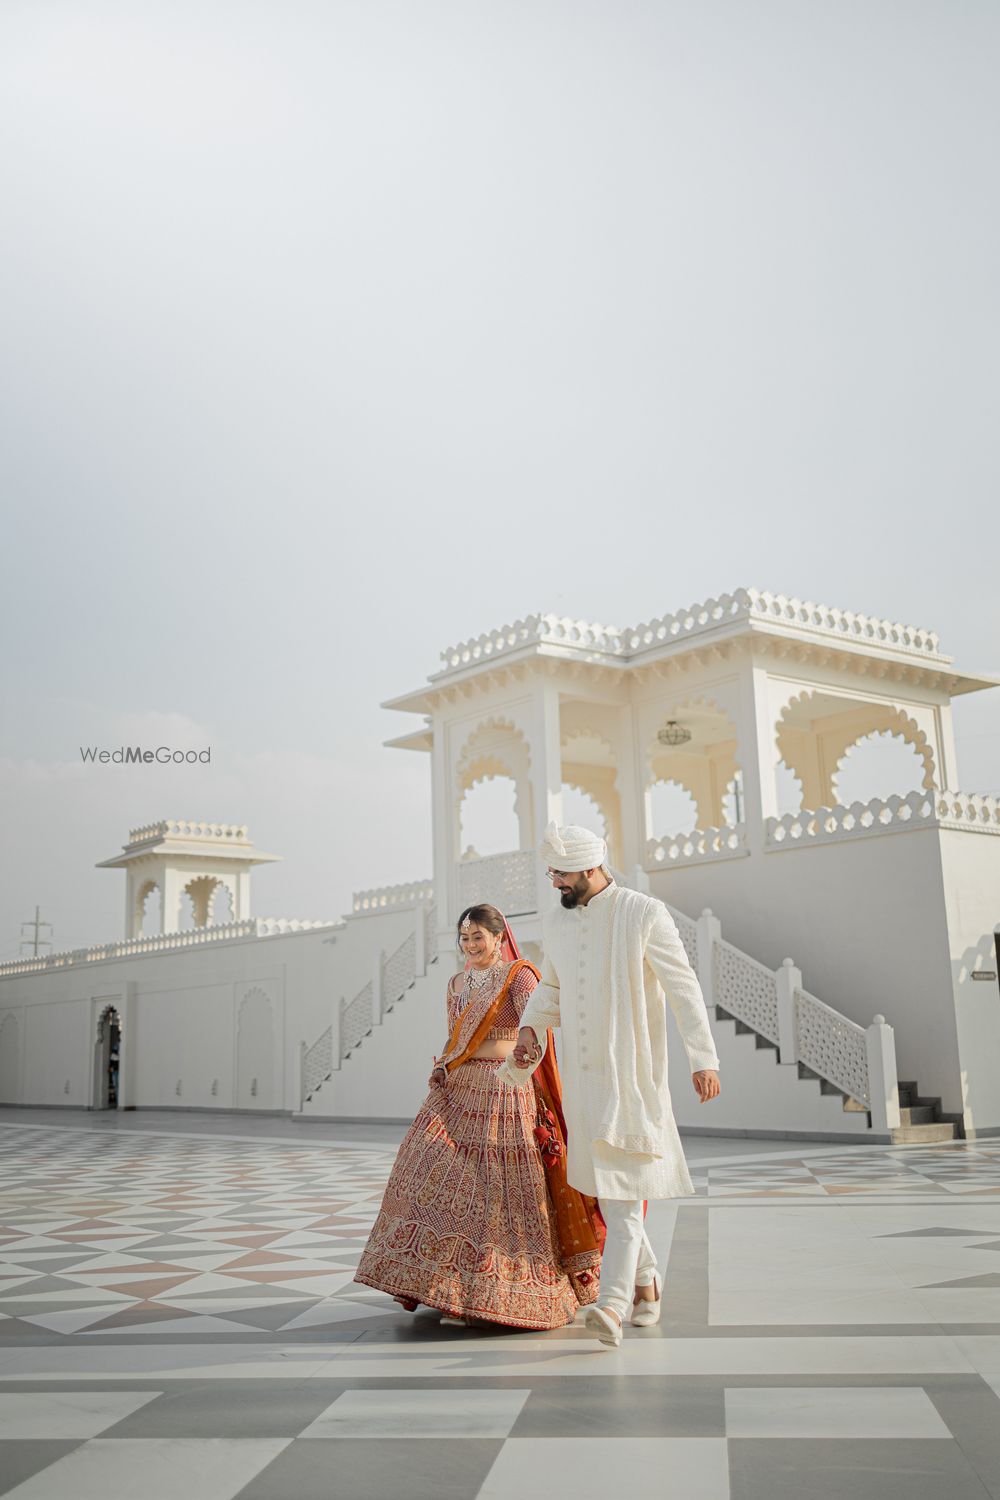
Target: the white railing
(509, 881)
(164, 942)
(742, 604)
(175, 828)
(430, 934)
(977, 814)
(746, 989)
(832, 1046)
(928, 809)
(858, 1061)
(317, 1062)
(400, 970)
(816, 619)
(391, 897)
(355, 1019)
(699, 846)
(534, 630)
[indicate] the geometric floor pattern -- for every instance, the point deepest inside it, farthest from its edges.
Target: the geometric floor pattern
(178, 1317)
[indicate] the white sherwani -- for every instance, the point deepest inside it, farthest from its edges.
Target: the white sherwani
(613, 1053)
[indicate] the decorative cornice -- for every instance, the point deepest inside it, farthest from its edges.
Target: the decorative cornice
(608, 642)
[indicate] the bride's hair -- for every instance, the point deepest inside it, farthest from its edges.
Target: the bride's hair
(484, 915)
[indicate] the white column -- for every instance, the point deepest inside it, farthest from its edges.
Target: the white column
(546, 759)
(632, 822)
(127, 1046)
(546, 775)
(756, 753)
(946, 757)
(171, 884)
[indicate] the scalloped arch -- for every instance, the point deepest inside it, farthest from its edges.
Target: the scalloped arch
(255, 994)
(480, 747)
(587, 732)
(887, 718)
(911, 734)
(111, 1009)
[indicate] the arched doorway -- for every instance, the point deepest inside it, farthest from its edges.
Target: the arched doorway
(107, 1059)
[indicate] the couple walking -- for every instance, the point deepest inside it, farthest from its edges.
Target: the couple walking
(512, 1181)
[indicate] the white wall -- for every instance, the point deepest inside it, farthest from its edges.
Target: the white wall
(758, 1093)
(386, 1077)
(971, 867)
(868, 923)
(58, 1055)
(195, 1015)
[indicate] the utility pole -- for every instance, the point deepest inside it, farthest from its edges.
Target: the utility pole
(35, 942)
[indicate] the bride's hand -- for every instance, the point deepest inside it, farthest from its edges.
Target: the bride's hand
(438, 1078)
(527, 1050)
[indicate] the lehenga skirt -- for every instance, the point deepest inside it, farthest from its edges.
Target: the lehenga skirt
(466, 1224)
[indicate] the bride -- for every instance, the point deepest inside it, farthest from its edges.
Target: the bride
(478, 1220)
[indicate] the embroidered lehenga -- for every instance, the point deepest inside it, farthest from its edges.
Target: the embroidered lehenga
(472, 1223)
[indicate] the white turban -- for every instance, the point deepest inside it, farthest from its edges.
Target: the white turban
(572, 848)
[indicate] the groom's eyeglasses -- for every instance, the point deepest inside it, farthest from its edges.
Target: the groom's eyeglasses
(558, 874)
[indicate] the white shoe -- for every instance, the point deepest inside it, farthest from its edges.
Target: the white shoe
(605, 1325)
(449, 1322)
(645, 1313)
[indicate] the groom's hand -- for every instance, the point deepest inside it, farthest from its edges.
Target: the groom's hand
(527, 1049)
(706, 1084)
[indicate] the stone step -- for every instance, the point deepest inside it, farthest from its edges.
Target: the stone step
(905, 1135)
(918, 1114)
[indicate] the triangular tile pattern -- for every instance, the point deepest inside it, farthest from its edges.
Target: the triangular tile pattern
(972, 1172)
(166, 1235)
(176, 1236)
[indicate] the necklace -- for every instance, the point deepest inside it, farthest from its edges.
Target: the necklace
(478, 979)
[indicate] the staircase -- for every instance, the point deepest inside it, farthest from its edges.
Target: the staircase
(854, 1062)
(922, 1119)
(355, 1020)
(809, 1042)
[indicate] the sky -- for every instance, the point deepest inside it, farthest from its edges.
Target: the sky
(335, 333)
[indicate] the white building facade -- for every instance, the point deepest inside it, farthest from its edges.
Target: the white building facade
(887, 908)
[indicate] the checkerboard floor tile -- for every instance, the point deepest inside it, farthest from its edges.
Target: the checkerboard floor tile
(178, 1316)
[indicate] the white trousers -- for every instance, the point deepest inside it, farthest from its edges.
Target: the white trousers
(628, 1260)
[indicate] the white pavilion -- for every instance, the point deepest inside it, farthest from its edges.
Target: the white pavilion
(847, 952)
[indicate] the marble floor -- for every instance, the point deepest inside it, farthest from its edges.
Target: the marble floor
(178, 1317)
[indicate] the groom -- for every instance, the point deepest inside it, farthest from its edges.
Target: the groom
(610, 953)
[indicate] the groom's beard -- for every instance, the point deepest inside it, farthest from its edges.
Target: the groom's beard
(571, 896)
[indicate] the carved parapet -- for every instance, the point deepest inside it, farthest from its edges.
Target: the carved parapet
(928, 809)
(843, 623)
(697, 847)
(230, 833)
(392, 898)
(165, 942)
(508, 881)
(742, 605)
